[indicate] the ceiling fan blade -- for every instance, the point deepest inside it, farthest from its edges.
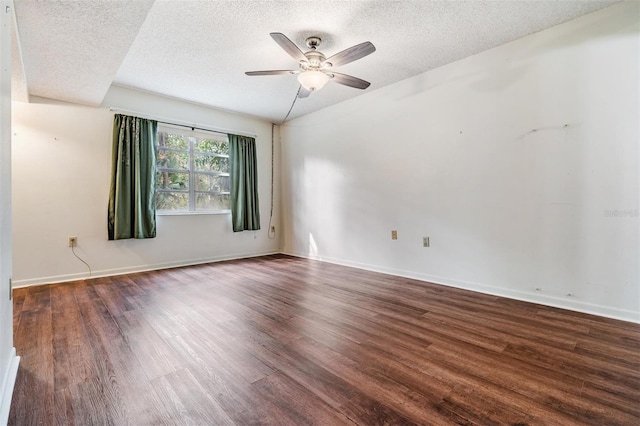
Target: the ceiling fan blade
(349, 80)
(271, 72)
(288, 46)
(351, 54)
(303, 93)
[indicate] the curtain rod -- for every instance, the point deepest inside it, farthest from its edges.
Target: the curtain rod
(172, 122)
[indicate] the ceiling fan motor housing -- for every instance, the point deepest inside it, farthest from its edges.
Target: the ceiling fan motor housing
(316, 59)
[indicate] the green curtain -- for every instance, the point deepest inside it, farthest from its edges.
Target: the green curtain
(245, 211)
(132, 206)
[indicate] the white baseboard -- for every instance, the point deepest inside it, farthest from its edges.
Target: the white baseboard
(133, 269)
(6, 389)
(542, 299)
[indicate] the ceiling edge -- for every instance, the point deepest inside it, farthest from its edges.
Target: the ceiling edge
(185, 101)
(19, 86)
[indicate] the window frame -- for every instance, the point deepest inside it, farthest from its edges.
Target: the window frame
(192, 137)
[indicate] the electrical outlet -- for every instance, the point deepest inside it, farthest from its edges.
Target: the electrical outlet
(425, 241)
(273, 229)
(73, 241)
(394, 235)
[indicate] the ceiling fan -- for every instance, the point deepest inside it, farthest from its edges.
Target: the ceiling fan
(315, 69)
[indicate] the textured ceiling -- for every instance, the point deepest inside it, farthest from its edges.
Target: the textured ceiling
(72, 50)
(198, 51)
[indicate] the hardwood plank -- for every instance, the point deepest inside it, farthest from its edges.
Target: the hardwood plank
(423, 328)
(376, 386)
(35, 378)
(369, 358)
(623, 357)
(605, 396)
(113, 361)
(92, 403)
(332, 389)
(215, 375)
(366, 411)
(536, 393)
(72, 357)
(484, 409)
(18, 296)
(280, 330)
(297, 402)
(243, 363)
(187, 401)
(63, 414)
(167, 314)
(153, 354)
(111, 295)
(511, 332)
(617, 378)
(36, 298)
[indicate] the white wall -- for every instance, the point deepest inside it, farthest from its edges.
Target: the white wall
(520, 164)
(8, 359)
(61, 174)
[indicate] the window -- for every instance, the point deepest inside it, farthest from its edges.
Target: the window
(192, 171)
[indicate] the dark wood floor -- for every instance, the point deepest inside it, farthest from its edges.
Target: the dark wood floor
(280, 340)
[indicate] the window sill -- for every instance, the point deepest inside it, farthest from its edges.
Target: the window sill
(199, 213)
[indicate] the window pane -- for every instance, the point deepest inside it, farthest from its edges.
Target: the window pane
(192, 171)
(212, 183)
(172, 140)
(172, 201)
(171, 180)
(211, 164)
(212, 146)
(172, 160)
(212, 202)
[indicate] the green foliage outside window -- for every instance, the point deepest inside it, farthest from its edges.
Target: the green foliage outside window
(192, 173)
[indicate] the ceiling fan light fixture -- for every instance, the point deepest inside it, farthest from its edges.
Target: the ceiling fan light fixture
(313, 80)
